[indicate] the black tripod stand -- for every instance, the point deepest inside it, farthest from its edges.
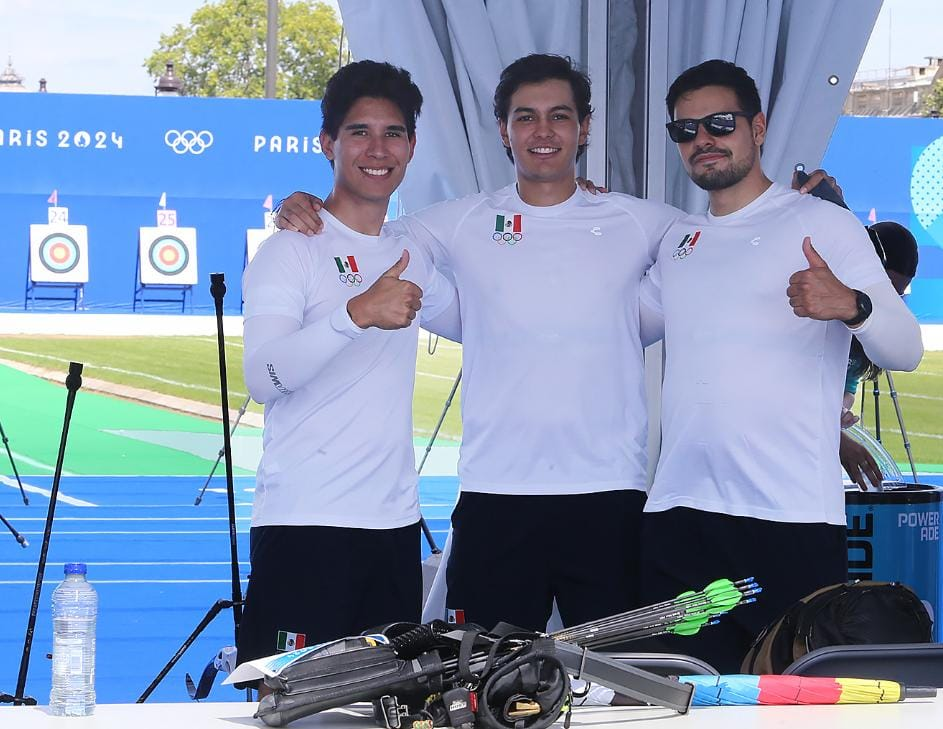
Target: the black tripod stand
(21, 540)
(73, 382)
(218, 291)
(6, 444)
(222, 451)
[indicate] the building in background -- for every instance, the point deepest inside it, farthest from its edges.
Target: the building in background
(895, 91)
(10, 80)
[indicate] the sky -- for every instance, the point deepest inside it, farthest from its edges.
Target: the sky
(99, 46)
(88, 46)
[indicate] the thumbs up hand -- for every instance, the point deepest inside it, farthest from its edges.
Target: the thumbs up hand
(391, 303)
(816, 293)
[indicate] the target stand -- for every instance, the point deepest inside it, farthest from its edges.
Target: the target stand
(166, 267)
(57, 266)
(254, 239)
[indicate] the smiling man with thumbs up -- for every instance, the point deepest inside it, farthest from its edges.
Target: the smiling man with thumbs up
(331, 329)
(760, 297)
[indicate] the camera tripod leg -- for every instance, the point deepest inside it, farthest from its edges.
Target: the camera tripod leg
(217, 608)
(900, 420)
(6, 444)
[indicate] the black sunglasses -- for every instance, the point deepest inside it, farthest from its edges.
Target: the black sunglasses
(717, 125)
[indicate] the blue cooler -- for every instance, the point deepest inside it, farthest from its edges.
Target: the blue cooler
(894, 536)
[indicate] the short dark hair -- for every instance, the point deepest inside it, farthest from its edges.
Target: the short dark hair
(535, 68)
(372, 79)
(716, 73)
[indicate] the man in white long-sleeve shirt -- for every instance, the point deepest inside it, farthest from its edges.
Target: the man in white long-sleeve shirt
(760, 297)
(553, 404)
(330, 348)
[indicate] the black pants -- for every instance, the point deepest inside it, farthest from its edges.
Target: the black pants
(513, 555)
(327, 582)
(685, 549)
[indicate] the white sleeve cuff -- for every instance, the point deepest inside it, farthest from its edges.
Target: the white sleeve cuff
(343, 324)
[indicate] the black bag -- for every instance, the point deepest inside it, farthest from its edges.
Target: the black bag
(854, 613)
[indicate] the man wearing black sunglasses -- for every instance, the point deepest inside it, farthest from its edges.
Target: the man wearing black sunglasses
(760, 297)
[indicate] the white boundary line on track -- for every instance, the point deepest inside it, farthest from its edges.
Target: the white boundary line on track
(71, 500)
(128, 582)
(187, 505)
(435, 376)
(174, 518)
(171, 533)
(915, 434)
(115, 533)
(38, 464)
(134, 373)
(918, 396)
(149, 475)
(132, 518)
(124, 564)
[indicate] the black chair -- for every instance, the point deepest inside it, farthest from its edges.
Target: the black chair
(912, 664)
(666, 664)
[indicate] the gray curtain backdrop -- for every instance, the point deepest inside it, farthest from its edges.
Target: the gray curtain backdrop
(456, 49)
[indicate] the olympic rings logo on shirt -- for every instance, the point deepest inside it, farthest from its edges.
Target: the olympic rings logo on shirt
(350, 279)
(681, 253)
(188, 140)
(509, 238)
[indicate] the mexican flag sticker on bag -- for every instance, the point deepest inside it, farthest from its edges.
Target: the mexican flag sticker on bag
(290, 641)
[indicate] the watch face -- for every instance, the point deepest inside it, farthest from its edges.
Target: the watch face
(863, 304)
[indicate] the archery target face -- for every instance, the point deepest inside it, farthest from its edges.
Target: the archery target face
(58, 253)
(168, 255)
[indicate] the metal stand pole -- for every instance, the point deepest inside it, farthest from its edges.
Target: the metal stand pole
(6, 444)
(222, 451)
(900, 419)
(877, 410)
(218, 290)
(72, 382)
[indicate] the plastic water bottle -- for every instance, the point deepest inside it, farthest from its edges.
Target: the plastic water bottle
(74, 609)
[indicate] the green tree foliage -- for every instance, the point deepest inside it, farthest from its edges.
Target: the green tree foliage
(933, 103)
(221, 51)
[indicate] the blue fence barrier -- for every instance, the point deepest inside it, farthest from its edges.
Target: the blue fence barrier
(895, 168)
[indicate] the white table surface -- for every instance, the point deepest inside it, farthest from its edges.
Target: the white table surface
(917, 713)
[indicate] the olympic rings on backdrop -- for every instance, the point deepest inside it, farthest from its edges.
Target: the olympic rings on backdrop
(188, 140)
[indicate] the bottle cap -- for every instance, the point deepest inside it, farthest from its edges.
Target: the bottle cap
(75, 568)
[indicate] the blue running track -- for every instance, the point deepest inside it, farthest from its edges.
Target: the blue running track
(158, 563)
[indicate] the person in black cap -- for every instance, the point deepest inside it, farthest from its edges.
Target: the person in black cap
(897, 249)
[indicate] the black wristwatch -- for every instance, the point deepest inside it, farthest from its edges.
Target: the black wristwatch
(863, 302)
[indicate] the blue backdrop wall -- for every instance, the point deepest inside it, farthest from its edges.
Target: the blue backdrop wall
(895, 168)
(111, 158)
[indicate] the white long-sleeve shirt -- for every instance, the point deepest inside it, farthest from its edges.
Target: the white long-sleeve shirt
(752, 392)
(337, 444)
